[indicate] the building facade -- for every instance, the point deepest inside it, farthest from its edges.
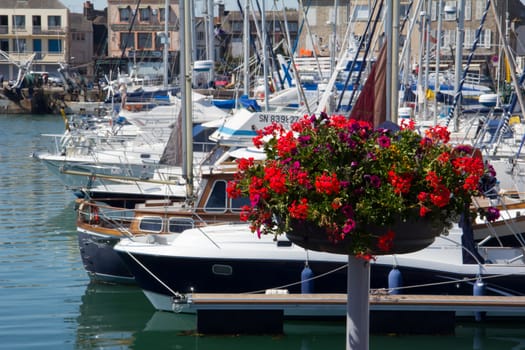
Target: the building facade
(42, 28)
(136, 35)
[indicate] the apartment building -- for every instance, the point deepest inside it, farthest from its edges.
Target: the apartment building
(45, 31)
(136, 36)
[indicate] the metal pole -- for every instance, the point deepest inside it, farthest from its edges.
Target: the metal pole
(246, 42)
(166, 41)
(211, 38)
(459, 60)
(388, 77)
(186, 106)
(265, 55)
(394, 101)
(437, 82)
(427, 54)
(357, 306)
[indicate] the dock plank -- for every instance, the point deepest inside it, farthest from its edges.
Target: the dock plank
(377, 302)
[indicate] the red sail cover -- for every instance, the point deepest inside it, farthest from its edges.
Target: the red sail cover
(371, 102)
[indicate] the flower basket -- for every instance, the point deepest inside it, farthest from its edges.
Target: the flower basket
(340, 185)
(411, 236)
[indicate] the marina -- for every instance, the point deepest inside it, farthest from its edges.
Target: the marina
(49, 302)
(369, 219)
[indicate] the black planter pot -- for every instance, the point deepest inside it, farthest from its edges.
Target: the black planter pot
(410, 236)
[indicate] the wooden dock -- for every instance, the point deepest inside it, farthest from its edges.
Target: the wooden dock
(249, 313)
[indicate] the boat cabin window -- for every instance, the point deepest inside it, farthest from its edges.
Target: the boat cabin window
(217, 200)
(179, 224)
(151, 223)
(238, 203)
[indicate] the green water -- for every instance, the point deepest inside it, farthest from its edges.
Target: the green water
(48, 302)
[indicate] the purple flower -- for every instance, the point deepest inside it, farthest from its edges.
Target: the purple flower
(374, 180)
(348, 211)
(348, 226)
(304, 139)
(464, 149)
(492, 214)
(383, 141)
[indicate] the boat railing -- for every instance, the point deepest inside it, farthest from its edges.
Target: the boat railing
(503, 255)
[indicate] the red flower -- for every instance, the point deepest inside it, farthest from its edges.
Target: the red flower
(286, 144)
(440, 197)
(327, 184)
(299, 210)
(244, 164)
(276, 178)
(233, 189)
(365, 256)
(423, 211)
(386, 241)
(401, 183)
(438, 133)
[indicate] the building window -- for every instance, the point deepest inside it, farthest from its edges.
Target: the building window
(127, 40)
(37, 45)
(449, 38)
(54, 22)
(162, 14)
(19, 22)
(485, 38)
(54, 45)
(468, 10)
(144, 41)
(145, 14)
(292, 27)
(78, 36)
(361, 13)
(124, 14)
(450, 16)
(403, 10)
(19, 45)
(237, 26)
(4, 45)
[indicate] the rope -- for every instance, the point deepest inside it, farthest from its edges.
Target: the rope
(153, 275)
(458, 93)
(381, 290)
(299, 282)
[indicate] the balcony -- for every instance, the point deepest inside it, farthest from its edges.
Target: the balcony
(53, 30)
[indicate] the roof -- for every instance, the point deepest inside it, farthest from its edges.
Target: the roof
(32, 4)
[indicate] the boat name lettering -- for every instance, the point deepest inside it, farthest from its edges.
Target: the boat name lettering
(278, 118)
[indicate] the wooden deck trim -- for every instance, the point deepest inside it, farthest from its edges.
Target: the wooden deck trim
(200, 301)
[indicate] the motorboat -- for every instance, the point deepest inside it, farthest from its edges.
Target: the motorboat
(229, 258)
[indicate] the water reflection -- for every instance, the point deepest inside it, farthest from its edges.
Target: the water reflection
(113, 316)
(110, 315)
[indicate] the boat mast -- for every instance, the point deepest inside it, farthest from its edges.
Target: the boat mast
(166, 41)
(459, 58)
(186, 106)
(246, 42)
(437, 81)
(265, 56)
